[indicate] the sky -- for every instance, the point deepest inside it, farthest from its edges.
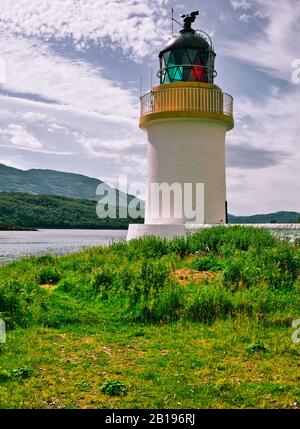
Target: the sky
(70, 81)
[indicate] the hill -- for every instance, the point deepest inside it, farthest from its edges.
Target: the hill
(18, 185)
(47, 211)
(49, 182)
(19, 210)
(278, 217)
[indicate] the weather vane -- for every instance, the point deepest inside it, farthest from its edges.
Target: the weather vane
(188, 19)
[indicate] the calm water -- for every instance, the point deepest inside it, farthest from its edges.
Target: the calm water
(14, 244)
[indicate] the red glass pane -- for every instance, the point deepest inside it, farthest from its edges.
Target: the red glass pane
(199, 74)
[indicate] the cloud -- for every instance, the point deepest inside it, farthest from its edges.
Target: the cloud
(128, 24)
(66, 130)
(262, 154)
(264, 192)
(246, 156)
(18, 136)
(99, 146)
(262, 150)
(273, 120)
(34, 117)
(245, 18)
(276, 45)
(89, 114)
(34, 69)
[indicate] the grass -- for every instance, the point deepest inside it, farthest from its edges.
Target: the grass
(116, 327)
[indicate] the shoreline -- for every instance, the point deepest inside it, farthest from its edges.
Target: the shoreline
(99, 238)
(23, 244)
(17, 228)
(190, 227)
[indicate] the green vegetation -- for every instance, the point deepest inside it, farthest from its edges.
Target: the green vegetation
(114, 388)
(190, 323)
(23, 211)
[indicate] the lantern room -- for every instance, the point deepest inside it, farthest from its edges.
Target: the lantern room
(189, 57)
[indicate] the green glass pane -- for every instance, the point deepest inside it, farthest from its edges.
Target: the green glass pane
(169, 75)
(192, 53)
(198, 59)
(186, 73)
(204, 58)
(166, 56)
(174, 75)
(178, 73)
(178, 56)
(171, 72)
(172, 64)
(166, 78)
(171, 59)
(186, 58)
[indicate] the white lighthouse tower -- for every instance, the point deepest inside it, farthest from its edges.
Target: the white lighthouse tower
(186, 118)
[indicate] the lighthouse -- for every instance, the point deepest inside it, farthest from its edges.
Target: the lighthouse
(186, 118)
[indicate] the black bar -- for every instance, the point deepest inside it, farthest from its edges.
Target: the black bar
(141, 418)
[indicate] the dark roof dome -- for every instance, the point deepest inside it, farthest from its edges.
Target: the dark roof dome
(186, 40)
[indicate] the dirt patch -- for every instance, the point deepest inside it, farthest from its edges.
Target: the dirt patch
(186, 276)
(48, 287)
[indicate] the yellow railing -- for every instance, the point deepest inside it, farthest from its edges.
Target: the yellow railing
(187, 99)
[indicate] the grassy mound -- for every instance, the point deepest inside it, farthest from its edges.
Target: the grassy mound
(255, 275)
